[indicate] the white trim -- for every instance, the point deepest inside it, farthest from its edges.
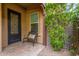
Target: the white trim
(34, 22)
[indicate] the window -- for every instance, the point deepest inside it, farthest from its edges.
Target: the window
(34, 17)
(34, 21)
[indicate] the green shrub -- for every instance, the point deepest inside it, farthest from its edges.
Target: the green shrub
(57, 44)
(72, 51)
(57, 37)
(57, 18)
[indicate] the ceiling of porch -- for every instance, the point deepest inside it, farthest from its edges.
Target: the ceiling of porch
(26, 5)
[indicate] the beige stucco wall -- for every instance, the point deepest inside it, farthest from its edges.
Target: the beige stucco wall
(0, 27)
(25, 22)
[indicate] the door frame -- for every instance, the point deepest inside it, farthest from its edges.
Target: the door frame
(8, 15)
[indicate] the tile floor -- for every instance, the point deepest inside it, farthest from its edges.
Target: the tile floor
(22, 49)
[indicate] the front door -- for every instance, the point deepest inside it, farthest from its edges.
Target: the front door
(14, 26)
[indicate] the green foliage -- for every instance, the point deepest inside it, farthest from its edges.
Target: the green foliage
(57, 44)
(57, 37)
(72, 51)
(57, 18)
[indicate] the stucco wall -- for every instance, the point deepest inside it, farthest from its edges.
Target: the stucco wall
(25, 21)
(0, 27)
(40, 24)
(5, 21)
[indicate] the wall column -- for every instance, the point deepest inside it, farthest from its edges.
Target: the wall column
(0, 27)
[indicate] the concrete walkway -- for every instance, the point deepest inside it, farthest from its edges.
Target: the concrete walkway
(48, 51)
(22, 49)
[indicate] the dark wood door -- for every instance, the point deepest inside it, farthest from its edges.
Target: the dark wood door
(14, 26)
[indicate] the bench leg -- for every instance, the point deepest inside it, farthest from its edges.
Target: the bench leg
(33, 42)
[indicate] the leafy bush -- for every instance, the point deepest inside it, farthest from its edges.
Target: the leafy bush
(57, 44)
(73, 50)
(57, 17)
(58, 37)
(56, 20)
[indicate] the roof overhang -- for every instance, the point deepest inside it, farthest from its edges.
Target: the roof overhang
(28, 5)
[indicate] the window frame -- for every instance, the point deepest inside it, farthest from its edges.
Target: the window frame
(34, 22)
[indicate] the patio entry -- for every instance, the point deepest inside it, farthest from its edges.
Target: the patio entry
(14, 26)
